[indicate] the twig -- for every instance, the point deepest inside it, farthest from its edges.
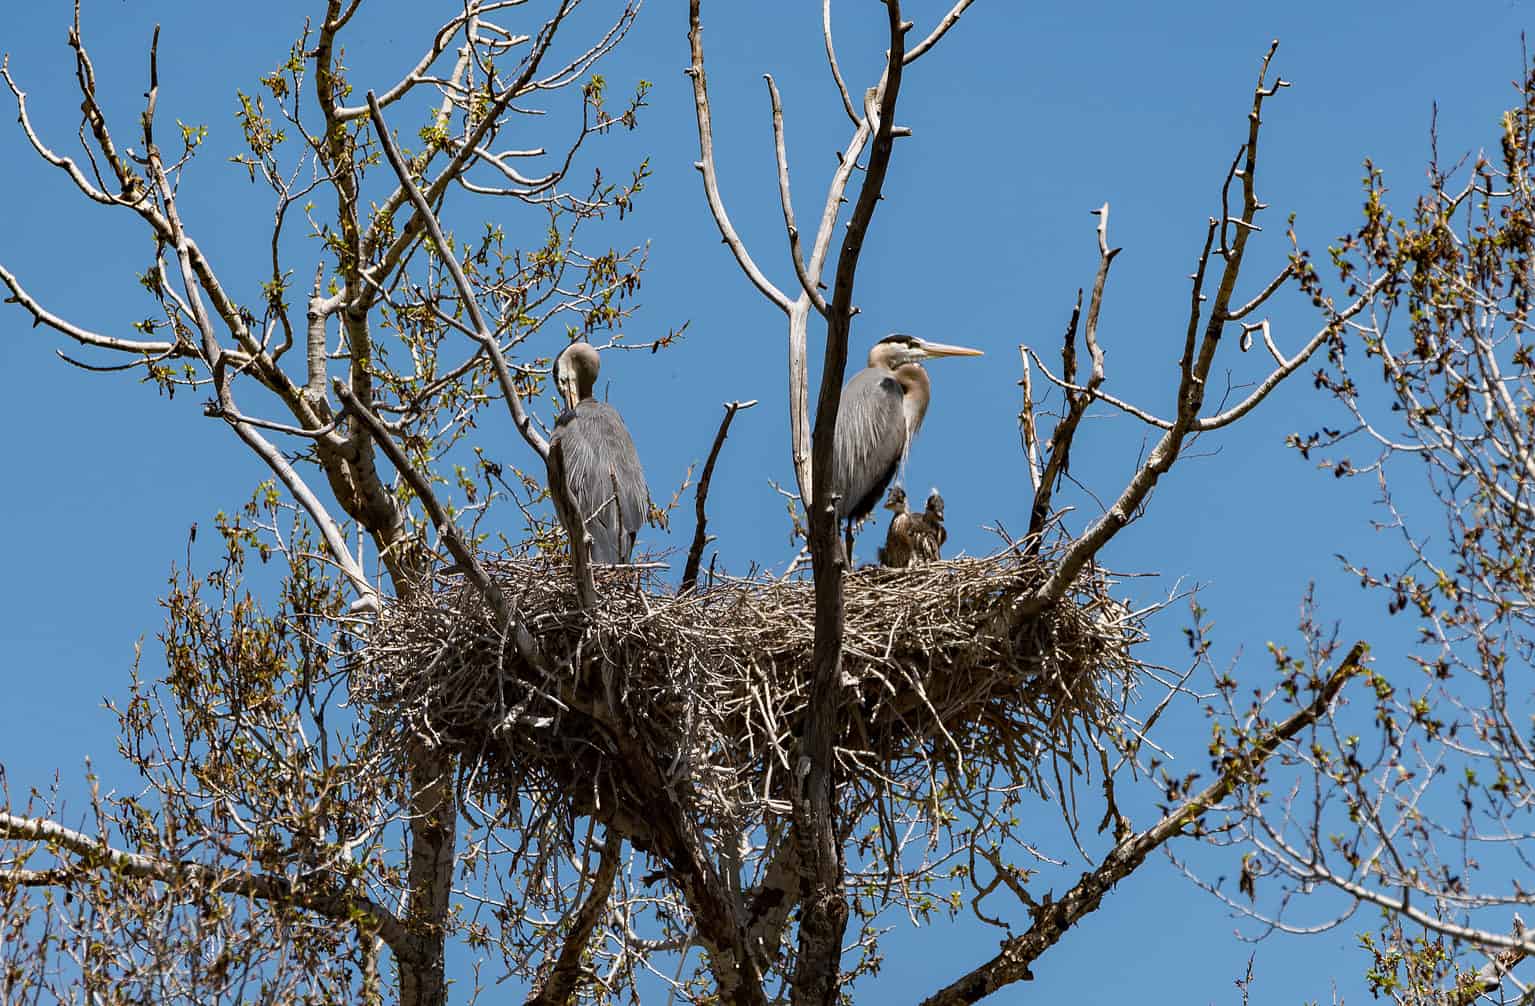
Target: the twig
(831, 59)
(949, 20)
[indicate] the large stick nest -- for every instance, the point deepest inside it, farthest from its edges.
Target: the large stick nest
(938, 665)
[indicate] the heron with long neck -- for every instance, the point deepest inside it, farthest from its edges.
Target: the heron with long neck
(882, 409)
(592, 455)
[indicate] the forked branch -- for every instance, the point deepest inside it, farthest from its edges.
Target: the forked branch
(824, 908)
(569, 971)
(1201, 341)
(807, 285)
(1058, 458)
(865, 117)
(705, 165)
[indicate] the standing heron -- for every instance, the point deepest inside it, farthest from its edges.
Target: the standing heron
(592, 456)
(882, 410)
(897, 552)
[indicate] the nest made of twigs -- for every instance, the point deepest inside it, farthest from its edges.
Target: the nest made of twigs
(938, 664)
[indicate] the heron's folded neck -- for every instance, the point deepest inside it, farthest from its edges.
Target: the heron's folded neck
(916, 391)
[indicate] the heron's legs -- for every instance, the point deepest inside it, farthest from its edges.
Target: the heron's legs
(847, 541)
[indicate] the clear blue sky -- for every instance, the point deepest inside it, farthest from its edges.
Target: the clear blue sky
(1025, 118)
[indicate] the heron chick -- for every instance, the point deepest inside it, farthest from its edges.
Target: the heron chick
(897, 551)
(593, 456)
(881, 412)
(928, 534)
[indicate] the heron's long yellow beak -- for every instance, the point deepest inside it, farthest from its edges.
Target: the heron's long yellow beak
(939, 349)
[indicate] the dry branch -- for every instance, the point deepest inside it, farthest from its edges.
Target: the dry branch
(705, 165)
(824, 908)
(560, 987)
(1053, 918)
(700, 530)
(1202, 340)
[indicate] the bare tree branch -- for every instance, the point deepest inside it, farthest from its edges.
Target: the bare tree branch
(483, 334)
(95, 854)
(836, 70)
(942, 29)
(569, 970)
(65, 164)
(295, 484)
(705, 166)
(1053, 918)
(1289, 366)
(823, 906)
(701, 495)
(1194, 366)
(806, 283)
(42, 316)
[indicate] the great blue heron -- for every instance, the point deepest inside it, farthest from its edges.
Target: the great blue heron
(592, 448)
(882, 410)
(897, 551)
(927, 532)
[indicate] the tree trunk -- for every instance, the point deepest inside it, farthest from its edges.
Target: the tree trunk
(433, 828)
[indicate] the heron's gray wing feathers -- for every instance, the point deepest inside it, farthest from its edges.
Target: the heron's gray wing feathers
(599, 457)
(871, 437)
(557, 478)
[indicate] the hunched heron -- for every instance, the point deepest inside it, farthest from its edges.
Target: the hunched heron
(592, 450)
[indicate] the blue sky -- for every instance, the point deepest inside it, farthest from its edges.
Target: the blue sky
(1024, 119)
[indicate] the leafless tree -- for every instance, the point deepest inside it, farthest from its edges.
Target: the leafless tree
(1414, 809)
(599, 787)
